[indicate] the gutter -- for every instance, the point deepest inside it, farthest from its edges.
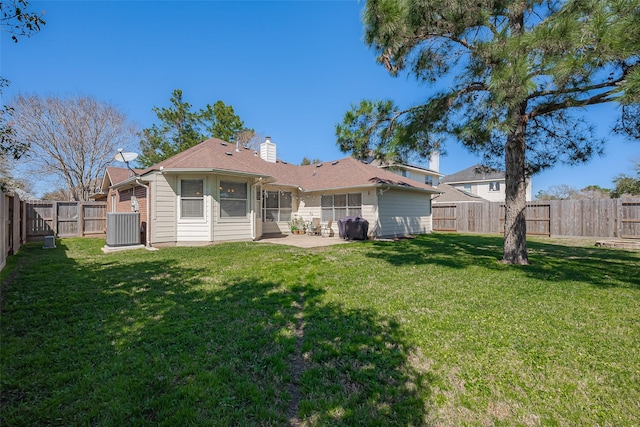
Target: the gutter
(388, 186)
(146, 232)
(252, 221)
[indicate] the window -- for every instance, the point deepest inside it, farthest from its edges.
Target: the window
(467, 188)
(494, 186)
(354, 204)
(191, 198)
(233, 199)
(405, 173)
(277, 206)
(428, 179)
(336, 206)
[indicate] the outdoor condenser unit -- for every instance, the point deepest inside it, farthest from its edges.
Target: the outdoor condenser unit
(123, 228)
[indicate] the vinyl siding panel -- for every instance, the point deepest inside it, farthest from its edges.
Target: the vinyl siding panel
(310, 206)
(194, 229)
(402, 213)
(229, 229)
(233, 230)
(164, 210)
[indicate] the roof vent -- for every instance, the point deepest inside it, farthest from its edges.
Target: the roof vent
(318, 165)
(228, 153)
(223, 143)
(334, 163)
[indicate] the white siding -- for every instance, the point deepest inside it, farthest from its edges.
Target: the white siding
(415, 175)
(482, 190)
(403, 212)
(193, 229)
(226, 229)
(370, 210)
(309, 206)
(164, 210)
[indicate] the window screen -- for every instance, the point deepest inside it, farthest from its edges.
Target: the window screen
(192, 198)
(233, 199)
(337, 206)
(277, 206)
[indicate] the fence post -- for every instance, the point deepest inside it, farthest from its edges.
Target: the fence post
(618, 218)
(80, 219)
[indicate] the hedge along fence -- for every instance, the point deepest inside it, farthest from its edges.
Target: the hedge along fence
(64, 219)
(577, 218)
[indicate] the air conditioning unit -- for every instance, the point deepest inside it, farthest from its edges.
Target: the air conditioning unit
(123, 228)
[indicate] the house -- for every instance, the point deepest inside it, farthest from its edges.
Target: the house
(216, 191)
(481, 181)
(430, 176)
(451, 194)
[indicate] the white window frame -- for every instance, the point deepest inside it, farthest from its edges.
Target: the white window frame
(200, 197)
(328, 205)
(246, 200)
(279, 210)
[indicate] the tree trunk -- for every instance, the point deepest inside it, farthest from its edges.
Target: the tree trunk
(515, 224)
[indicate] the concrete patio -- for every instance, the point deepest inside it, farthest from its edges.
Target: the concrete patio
(302, 240)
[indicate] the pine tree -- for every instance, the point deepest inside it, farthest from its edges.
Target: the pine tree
(177, 131)
(514, 77)
(181, 128)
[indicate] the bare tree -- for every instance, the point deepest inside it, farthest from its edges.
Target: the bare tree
(248, 138)
(71, 140)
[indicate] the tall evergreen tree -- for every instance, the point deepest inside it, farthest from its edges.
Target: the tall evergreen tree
(514, 77)
(177, 131)
(181, 128)
(221, 121)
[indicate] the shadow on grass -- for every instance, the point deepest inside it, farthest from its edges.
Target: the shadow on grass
(150, 341)
(602, 267)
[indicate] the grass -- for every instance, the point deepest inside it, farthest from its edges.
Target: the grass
(428, 331)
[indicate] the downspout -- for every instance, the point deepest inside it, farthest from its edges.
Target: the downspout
(252, 220)
(146, 232)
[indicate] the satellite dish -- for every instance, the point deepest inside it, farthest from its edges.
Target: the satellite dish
(125, 157)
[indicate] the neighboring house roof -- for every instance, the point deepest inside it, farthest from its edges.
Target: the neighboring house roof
(473, 174)
(409, 166)
(215, 155)
(452, 194)
(115, 175)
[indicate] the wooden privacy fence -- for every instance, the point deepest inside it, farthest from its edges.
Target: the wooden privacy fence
(64, 219)
(577, 218)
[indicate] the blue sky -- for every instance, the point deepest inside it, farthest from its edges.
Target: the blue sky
(290, 69)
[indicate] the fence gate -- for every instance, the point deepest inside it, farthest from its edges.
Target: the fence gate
(40, 217)
(67, 219)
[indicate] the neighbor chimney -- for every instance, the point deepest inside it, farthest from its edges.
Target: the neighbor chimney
(434, 161)
(268, 150)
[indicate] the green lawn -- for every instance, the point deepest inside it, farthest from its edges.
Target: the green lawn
(427, 331)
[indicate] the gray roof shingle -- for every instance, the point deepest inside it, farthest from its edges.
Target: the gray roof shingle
(473, 174)
(216, 155)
